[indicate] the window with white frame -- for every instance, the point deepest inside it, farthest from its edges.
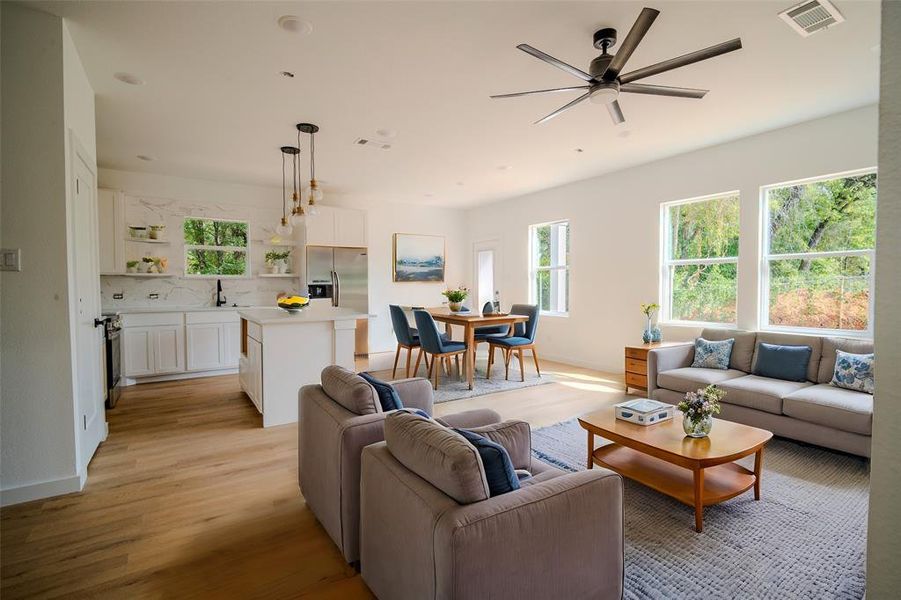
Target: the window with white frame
(216, 248)
(817, 263)
(549, 267)
(699, 266)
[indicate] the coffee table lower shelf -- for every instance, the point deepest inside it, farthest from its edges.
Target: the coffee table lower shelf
(720, 482)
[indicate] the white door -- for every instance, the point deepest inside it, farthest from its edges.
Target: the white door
(168, 348)
(137, 351)
(206, 346)
(231, 336)
(85, 263)
(486, 269)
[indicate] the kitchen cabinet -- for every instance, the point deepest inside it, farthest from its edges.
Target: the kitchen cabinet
(254, 364)
(232, 350)
(153, 350)
(137, 351)
(213, 340)
(111, 227)
(334, 226)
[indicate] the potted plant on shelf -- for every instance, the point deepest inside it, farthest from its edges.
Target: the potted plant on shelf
(455, 298)
(145, 264)
(698, 409)
(651, 333)
(277, 261)
(131, 266)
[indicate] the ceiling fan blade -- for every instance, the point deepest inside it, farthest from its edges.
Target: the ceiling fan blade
(662, 90)
(681, 61)
(616, 113)
(563, 89)
(557, 63)
(563, 108)
(636, 34)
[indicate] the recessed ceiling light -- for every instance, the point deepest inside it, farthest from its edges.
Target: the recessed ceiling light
(294, 24)
(459, 183)
(288, 74)
(386, 133)
(504, 168)
(579, 150)
(428, 194)
(146, 157)
(128, 78)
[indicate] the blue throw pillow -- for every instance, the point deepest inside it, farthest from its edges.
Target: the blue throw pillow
(782, 362)
(499, 470)
(712, 355)
(388, 397)
(854, 372)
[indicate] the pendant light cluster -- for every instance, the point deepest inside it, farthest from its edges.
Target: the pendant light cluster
(287, 224)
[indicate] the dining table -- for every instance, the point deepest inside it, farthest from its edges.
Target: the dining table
(469, 321)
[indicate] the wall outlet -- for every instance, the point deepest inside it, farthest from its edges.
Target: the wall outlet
(11, 259)
(118, 296)
(153, 296)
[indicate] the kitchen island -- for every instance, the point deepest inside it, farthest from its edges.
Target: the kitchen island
(282, 351)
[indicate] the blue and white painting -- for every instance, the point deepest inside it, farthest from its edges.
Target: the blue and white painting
(418, 257)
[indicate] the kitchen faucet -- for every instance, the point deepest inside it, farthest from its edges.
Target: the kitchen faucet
(220, 299)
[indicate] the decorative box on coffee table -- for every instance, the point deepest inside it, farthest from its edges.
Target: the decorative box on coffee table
(636, 375)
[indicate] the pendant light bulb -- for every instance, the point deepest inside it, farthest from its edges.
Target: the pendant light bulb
(297, 215)
(284, 228)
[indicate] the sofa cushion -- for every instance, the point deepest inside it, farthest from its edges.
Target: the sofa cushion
(742, 349)
(439, 455)
(782, 362)
(690, 379)
(830, 345)
(834, 407)
(514, 436)
(499, 472)
(712, 354)
(792, 339)
(388, 398)
(854, 372)
(350, 390)
(761, 393)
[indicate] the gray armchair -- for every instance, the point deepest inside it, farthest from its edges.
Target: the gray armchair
(338, 418)
(430, 529)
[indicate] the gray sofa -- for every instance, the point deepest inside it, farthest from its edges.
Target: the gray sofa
(811, 411)
(431, 530)
(338, 418)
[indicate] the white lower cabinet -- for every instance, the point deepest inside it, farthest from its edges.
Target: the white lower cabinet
(206, 346)
(153, 350)
(253, 379)
(232, 335)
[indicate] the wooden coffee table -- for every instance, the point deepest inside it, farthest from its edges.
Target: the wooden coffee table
(696, 471)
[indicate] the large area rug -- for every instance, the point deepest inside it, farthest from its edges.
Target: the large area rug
(805, 538)
(455, 388)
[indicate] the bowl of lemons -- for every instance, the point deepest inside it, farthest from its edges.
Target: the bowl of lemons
(293, 303)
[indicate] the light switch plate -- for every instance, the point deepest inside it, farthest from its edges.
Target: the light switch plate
(11, 259)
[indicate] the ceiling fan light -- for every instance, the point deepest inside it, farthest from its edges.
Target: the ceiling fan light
(604, 94)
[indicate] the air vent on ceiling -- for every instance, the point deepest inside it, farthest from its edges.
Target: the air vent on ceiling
(370, 143)
(808, 18)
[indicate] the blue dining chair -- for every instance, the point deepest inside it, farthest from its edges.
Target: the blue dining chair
(523, 338)
(440, 347)
(407, 338)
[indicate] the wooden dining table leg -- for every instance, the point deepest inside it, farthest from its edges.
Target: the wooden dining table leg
(590, 461)
(699, 499)
(469, 333)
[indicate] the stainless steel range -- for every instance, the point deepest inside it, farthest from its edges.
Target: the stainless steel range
(112, 325)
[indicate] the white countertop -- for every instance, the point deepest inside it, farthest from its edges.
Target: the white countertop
(312, 314)
(126, 310)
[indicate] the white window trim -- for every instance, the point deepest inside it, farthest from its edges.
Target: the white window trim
(666, 264)
(245, 249)
(763, 318)
(533, 269)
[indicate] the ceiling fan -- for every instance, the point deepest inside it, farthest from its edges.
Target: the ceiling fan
(604, 81)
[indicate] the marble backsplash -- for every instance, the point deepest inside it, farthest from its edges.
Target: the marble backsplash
(179, 290)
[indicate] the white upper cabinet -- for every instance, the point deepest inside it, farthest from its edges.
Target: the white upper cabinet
(334, 226)
(111, 225)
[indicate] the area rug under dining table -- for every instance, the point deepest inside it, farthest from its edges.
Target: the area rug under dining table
(455, 388)
(805, 538)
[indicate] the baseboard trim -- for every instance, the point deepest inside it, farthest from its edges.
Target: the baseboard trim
(567, 360)
(43, 489)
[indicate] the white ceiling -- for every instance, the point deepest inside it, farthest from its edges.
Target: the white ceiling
(215, 106)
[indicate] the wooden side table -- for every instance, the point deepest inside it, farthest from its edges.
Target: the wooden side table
(636, 375)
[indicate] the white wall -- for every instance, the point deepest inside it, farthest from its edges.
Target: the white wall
(162, 197)
(44, 94)
(884, 542)
(615, 228)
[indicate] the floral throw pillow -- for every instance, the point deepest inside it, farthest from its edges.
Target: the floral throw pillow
(712, 355)
(854, 372)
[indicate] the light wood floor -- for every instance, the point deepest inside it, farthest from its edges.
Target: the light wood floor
(191, 498)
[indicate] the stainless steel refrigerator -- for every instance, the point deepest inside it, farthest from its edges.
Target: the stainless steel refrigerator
(344, 272)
